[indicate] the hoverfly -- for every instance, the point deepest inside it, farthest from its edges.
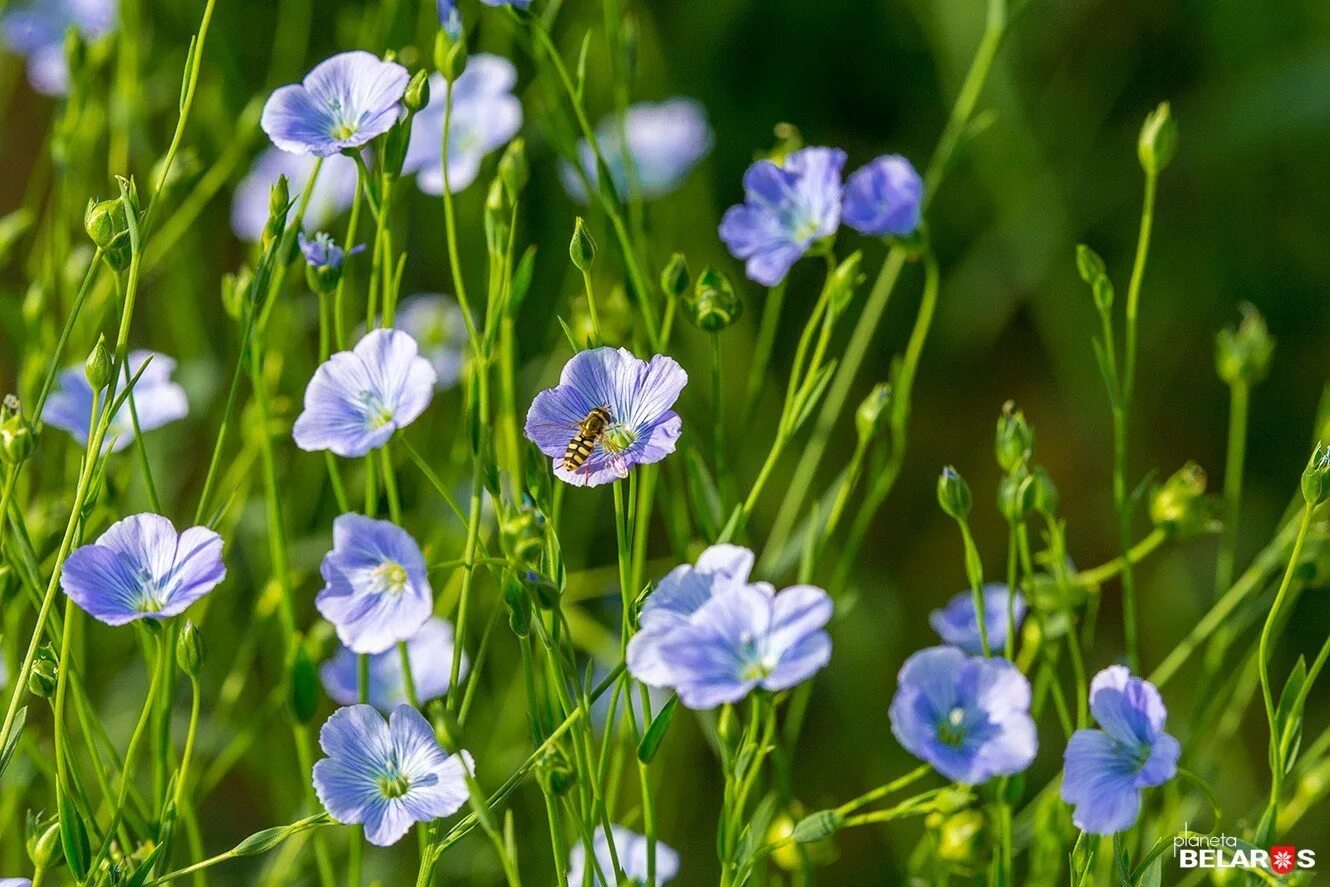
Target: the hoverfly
(589, 432)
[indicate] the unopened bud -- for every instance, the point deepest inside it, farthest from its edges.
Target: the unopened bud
(43, 678)
(843, 282)
(714, 305)
(1089, 265)
(450, 54)
(1016, 495)
(872, 413)
(1316, 477)
(582, 249)
(1179, 506)
(497, 225)
(514, 170)
(674, 279)
(417, 92)
(190, 651)
(519, 607)
(1015, 438)
(542, 588)
(953, 494)
(17, 438)
(105, 223)
(1046, 497)
(1159, 140)
(1242, 355)
(97, 368)
(555, 775)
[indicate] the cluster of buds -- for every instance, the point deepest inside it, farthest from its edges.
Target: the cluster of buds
(1242, 355)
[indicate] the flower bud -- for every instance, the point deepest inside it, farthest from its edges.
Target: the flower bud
(817, 826)
(953, 494)
(523, 533)
(1316, 477)
(1015, 438)
(514, 170)
(582, 249)
(1159, 140)
(17, 437)
(542, 588)
(446, 728)
(674, 279)
(842, 284)
(519, 607)
(1016, 495)
(97, 368)
(450, 54)
(713, 305)
(1046, 498)
(1088, 263)
(1243, 355)
(190, 651)
(235, 291)
(43, 841)
(555, 774)
(1102, 289)
(105, 223)
(1179, 506)
(417, 92)
(43, 677)
(497, 226)
(872, 413)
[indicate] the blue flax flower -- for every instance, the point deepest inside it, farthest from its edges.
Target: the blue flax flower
(957, 626)
(358, 398)
(485, 117)
(639, 396)
(746, 638)
(435, 322)
(142, 568)
(450, 19)
(333, 192)
(323, 252)
(157, 401)
(342, 104)
(15, 882)
(675, 599)
(665, 141)
(884, 198)
(631, 848)
(387, 774)
(786, 209)
(1106, 769)
(431, 652)
(37, 29)
(377, 590)
(967, 716)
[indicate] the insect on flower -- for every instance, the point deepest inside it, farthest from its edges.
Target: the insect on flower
(589, 432)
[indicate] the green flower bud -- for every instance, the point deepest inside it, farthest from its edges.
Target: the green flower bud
(1088, 263)
(1159, 140)
(542, 588)
(105, 223)
(42, 841)
(1015, 438)
(417, 92)
(817, 826)
(1243, 355)
(190, 651)
(235, 292)
(514, 170)
(522, 533)
(446, 728)
(674, 279)
(97, 367)
(450, 55)
(1046, 498)
(872, 413)
(17, 437)
(713, 305)
(843, 282)
(1179, 506)
(582, 249)
(1316, 477)
(953, 494)
(1016, 495)
(555, 774)
(1102, 289)
(43, 678)
(497, 226)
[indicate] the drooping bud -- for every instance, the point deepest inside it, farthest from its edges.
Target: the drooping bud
(1179, 506)
(1159, 140)
(713, 305)
(1014, 442)
(582, 249)
(872, 413)
(1242, 355)
(1089, 265)
(674, 278)
(190, 651)
(514, 170)
(97, 368)
(1316, 477)
(953, 494)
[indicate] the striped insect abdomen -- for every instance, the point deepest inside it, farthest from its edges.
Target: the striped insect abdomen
(589, 432)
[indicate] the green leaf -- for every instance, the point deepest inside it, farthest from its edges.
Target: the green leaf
(1152, 876)
(812, 393)
(11, 741)
(73, 835)
(567, 331)
(650, 744)
(703, 495)
(140, 876)
(521, 282)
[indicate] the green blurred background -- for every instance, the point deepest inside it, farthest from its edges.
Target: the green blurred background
(1241, 217)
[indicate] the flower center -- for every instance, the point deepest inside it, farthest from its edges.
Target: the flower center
(377, 413)
(394, 784)
(952, 730)
(619, 438)
(150, 596)
(392, 577)
(755, 666)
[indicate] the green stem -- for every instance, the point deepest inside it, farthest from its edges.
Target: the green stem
(1239, 399)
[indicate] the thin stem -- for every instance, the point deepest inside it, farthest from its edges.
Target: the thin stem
(1239, 399)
